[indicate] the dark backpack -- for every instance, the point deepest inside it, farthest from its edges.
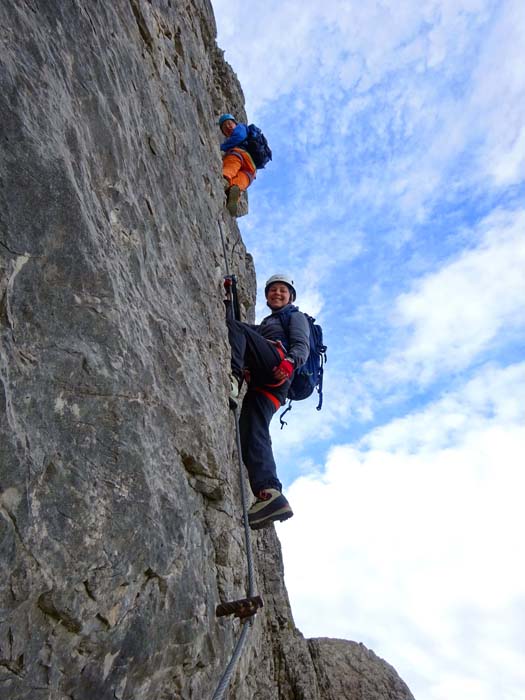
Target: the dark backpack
(257, 146)
(310, 375)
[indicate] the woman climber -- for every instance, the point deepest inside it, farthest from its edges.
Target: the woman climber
(266, 356)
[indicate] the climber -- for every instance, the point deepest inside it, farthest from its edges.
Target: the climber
(238, 168)
(266, 355)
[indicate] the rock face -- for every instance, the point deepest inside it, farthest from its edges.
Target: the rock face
(119, 500)
(365, 677)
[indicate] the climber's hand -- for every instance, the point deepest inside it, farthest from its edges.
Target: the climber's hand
(228, 282)
(284, 370)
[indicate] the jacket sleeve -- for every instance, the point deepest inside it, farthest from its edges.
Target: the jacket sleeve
(238, 135)
(298, 338)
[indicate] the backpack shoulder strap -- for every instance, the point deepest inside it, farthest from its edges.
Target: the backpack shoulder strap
(284, 316)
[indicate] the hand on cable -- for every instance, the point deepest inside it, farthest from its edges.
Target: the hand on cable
(284, 370)
(228, 283)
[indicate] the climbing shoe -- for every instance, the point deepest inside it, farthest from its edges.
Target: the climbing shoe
(234, 194)
(270, 505)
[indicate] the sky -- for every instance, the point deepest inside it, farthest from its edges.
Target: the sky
(395, 200)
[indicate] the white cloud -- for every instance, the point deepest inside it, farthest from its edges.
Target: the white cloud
(414, 549)
(450, 419)
(325, 40)
(498, 98)
(452, 315)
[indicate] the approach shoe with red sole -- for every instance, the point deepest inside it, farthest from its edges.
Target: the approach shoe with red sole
(270, 506)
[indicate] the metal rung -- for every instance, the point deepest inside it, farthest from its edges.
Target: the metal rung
(246, 607)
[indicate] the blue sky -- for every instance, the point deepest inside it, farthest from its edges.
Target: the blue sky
(395, 200)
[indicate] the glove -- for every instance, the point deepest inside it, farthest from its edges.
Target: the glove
(228, 284)
(284, 370)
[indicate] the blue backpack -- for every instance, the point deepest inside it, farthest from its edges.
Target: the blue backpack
(310, 375)
(257, 146)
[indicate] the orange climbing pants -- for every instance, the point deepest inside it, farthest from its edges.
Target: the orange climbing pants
(238, 168)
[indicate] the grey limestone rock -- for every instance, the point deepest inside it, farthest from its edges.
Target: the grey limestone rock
(349, 670)
(120, 525)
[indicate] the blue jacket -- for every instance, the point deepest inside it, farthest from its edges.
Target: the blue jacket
(238, 135)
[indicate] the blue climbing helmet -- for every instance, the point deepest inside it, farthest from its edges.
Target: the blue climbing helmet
(224, 117)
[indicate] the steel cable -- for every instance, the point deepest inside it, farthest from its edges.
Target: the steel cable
(226, 676)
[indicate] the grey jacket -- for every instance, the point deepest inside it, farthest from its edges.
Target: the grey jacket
(290, 326)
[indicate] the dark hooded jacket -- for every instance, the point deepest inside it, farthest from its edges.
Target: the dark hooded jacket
(290, 326)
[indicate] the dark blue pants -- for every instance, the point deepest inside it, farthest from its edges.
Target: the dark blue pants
(253, 352)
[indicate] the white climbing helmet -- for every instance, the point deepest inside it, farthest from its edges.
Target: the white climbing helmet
(288, 281)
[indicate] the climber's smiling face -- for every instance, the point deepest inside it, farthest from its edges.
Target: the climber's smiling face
(227, 127)
(277, 296)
